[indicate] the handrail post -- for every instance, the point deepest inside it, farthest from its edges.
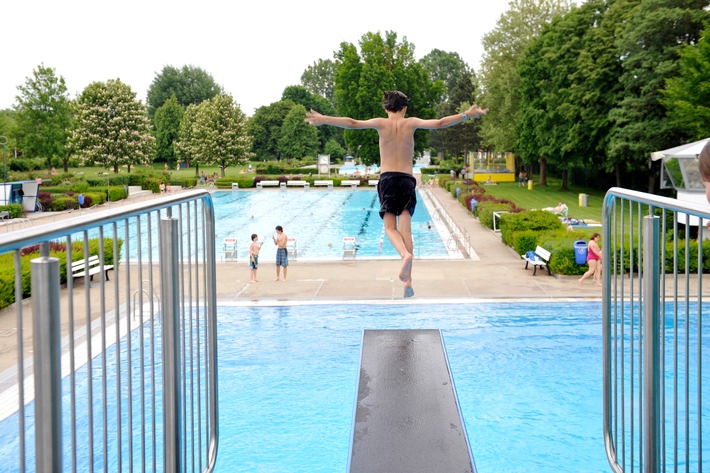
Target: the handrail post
(170, 294)
(651, 348)
(46, 338)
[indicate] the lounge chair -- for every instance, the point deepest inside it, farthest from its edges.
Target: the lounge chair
(229, 249)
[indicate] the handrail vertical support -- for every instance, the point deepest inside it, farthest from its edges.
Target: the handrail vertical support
(651, 348)
(46, 338)
(172, 384)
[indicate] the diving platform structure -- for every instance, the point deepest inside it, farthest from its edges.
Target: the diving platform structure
(407, 417)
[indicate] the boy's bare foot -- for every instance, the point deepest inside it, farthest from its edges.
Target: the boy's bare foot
(580, 282)
(276, 279)
(406, 271)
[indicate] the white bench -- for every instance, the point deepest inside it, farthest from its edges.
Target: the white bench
(540, 257)
(349, 182)
(373, 182)
(323, 183)
(294, 183)
(261, 184)
(79, 268)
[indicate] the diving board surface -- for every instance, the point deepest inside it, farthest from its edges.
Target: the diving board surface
(407, 417)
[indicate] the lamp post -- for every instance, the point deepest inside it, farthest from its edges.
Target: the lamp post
(3, 142)
(111, 114)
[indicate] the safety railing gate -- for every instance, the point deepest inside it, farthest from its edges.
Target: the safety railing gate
(88, 381)
(654, 251)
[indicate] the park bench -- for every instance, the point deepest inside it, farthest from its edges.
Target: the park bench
(538, 258)
(79, 268)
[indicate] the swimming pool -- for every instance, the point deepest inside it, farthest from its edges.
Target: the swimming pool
(528, 378)
(319, 219)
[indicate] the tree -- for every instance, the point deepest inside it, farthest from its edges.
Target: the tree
(505, 47)
(167, 129)
(184, 149)
(298, 139)
(360, 82)
(190, 85)
(687, 96)
(264, 129)
(445, 67)
(43, 116)
(319, 79)
(216, 134)
(650, 44)
(562, 111)
(300, 95)
(458, 140)
(112, 127)
(8, 125)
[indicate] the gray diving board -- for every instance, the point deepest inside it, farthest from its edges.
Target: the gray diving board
(407, 416)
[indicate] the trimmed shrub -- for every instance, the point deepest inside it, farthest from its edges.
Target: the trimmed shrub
(536, 220)
(117, 193)
(484, 211)
(525, 241)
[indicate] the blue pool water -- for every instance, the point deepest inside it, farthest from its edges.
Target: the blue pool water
(528, 382)
(319, 219)
(528, 378)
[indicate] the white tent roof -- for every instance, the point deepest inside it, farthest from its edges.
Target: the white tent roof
(686, 151)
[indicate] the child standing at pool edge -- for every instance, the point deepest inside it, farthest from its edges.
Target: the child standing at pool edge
(254, 256)
(396, 188)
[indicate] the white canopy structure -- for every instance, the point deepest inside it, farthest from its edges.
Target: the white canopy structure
(680, 171)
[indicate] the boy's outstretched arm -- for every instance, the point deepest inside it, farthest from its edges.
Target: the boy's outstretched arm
(473, 112)
(317, 119)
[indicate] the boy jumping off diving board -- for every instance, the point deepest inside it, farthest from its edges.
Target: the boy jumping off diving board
(396, 188)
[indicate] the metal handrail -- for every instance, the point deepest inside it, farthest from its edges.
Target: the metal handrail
(651, 384)
(109, 356)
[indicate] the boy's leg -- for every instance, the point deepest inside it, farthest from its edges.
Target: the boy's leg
(401, 238)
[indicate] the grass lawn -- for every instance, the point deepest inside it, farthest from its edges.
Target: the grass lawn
(550, 195)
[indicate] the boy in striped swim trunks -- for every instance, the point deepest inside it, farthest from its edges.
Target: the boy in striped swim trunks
(396, 188)
(280, 240)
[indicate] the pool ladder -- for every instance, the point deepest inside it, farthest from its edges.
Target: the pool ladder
(150, 295)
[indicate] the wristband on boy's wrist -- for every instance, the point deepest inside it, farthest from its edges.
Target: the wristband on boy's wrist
(465, 117)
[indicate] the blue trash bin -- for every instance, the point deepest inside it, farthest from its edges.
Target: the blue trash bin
(458, 192)
(81, 200)
(580, 252)
(473, 205)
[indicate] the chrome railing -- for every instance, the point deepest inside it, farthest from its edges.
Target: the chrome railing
(119, 374)
(655, 380)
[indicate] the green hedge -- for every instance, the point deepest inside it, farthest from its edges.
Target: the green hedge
(535, 220)
(484, 212)
(57, 250)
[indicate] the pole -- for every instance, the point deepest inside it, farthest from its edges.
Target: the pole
(3, 141)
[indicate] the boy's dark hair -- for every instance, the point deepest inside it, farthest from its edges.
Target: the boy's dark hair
(704, 163)
(394, 101)
(253, 236)
(279, 228)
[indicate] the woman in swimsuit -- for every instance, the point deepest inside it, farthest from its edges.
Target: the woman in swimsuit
(594, 260)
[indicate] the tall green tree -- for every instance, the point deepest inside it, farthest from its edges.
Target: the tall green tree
(504, 48)
(650, 45)
(384, 64)
(167, 129)
(264, 129)
(298, 139)
(319, 79)
(43, 118)
(458, 140)
(562, 110)
(112, 127)
(445, 67)
(184, 149)
(8, 125)
(189, 84)
(217, 137)
(300, 95)
(687, 96)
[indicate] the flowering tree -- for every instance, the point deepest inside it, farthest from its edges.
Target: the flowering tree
(112, 127)
(213, 133)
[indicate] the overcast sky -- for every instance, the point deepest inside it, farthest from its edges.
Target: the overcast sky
(254, 49)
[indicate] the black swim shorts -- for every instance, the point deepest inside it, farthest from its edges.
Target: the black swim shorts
(397, 193)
